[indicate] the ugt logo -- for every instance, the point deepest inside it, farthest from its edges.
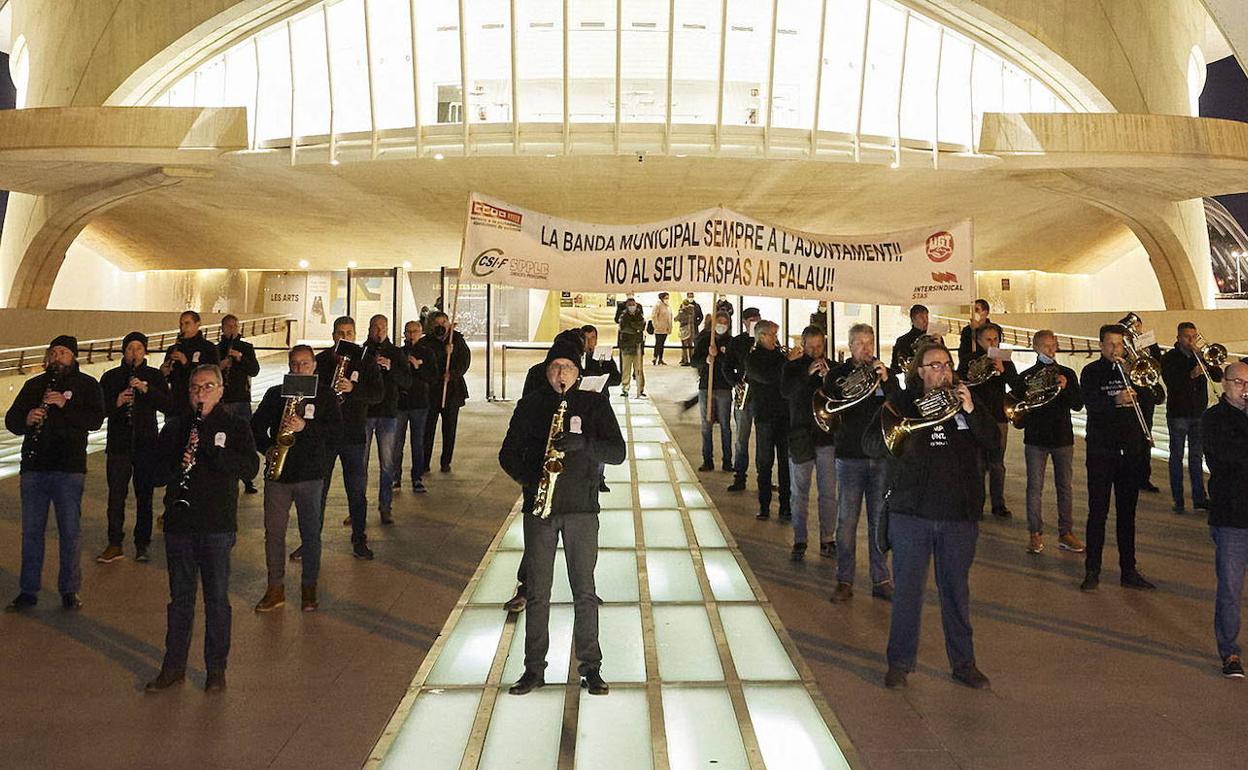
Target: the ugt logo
(487, 262)
(940, 246)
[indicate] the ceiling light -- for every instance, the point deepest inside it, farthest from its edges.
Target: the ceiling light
(333, 161)
(407, 265)
(303, 264)
(438, 156)
(351, 264)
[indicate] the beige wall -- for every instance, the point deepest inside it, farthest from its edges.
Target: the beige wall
(1127, 284)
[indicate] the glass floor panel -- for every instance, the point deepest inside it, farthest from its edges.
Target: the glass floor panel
(644, 421)
(664, 529)
(524, 732)
(621, 472)
(436, 731)
(559, 653)
(686, 645)
(756, 650)
(615, 530)
(672, 578)
(656, 496)
(728, 583)
(707, 529)
(694, 718)
(650, 434)
(613, 733)
(513, 538)
(620, 496)
(652, 470)
(647, 451)
(683, 473)
(498, 582)
(623, 650)
(692, 495)
(470, 648)
(791, 731)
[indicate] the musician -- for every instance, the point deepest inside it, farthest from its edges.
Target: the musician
(717, 356)
(812, 451)
(450, 391)
(191, 350)
(1049, 434)
(133, 393)
(201, 462)
(413, 404)
(361, 387)
(53, 412)
(590, 435)
(857, 475)
(742, 344)
(992, 394)
(1187, 394)
(1225, 426)
(383, 417)
(238, 366)
(1115, 445)
(763, 365)
(301, 480)
(632, 344)
(535, 377)
(593, 366)
(1148, 406)
(934, 502)
(903, 348)
(969, 339)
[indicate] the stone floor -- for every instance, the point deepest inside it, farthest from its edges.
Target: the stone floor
(1107, 680)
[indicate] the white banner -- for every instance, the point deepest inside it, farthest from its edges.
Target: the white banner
(715, 250)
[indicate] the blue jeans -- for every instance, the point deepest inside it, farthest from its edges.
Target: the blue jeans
(63, 491)
(1186, 430)
(1230, 559)
(858, 478)
(386, 429)
(741, 456)
(413, 419)
(916, 542)
(354, 479)
(723, 416)
(824, 465)
(204, 555)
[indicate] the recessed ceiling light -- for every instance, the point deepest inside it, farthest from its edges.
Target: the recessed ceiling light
(438, 156)
(303, 264)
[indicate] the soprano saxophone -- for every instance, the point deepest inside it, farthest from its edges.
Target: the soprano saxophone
(552, 465)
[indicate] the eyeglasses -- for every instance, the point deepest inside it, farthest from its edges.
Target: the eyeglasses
(207, 387)
(563, 367)
(1237, 381)
(938, 366)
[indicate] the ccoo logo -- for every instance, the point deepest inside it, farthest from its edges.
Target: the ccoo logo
(487, 262)
(940, 246)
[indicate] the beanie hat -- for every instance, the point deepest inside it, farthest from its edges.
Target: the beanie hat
(562, 349)
(133, 337)
(65, 341)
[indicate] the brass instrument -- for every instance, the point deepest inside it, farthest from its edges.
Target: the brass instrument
(552, 465)
(1142, 369)
(741, 389)
(30, 448)
(1042, 390)
(940, 405)
(275, 457)
(340, 374)
(192, 446)
(1210, 355)
(903, 362)
(846, 392)
(1135, 404)
(980, 371)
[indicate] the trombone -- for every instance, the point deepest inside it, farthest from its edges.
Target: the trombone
(1135, 404)
(1208, 355)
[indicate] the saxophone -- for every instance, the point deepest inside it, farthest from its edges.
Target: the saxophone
(552, 465)
(275, 457)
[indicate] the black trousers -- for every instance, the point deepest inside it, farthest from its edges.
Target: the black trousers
(1119, 472)
(660, 340)
(450, 421)
(1146, 458)
(121, 469)
(771, 444)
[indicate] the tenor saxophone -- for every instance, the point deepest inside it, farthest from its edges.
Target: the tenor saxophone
(275, 457)
(552, 465)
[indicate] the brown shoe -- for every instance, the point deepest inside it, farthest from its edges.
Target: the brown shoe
(843, 593)
(1068, 542)
(111, 554)
(1035, 543)
(310, 604)
(274, 597)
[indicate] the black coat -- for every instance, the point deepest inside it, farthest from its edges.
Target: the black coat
(306, 460)
(394, 381)
(1110, 426)
(725, 363)
(607, 367)
(416, 394)
(598, 441)
(198, 351)
(904, 348)
(226, 454)
(762, 371)
(1225, 433)
(61, 444)
(238, 376)
(1050, 426)
(133, 430)
(461, 359)
(354, 406)
(798, 385)
(1186, 396)
(992, 392)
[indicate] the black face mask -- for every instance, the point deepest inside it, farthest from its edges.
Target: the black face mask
(439, 331)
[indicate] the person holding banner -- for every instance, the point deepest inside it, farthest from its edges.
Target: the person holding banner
(992, 393)
(632, 342)
(811, 450)
(742, 344)
(717, 371)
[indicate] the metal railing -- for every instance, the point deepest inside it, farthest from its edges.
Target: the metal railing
(19, 360)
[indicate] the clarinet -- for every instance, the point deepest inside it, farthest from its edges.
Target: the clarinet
(31, 447)
(192, 446)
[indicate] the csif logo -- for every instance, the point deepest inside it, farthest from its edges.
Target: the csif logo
(487, 262)
(940, 246)
(945, 277)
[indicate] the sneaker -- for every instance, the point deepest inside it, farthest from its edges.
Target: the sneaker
(1035, 543)
(296, 554)
(518, 602)
(828, 549)
(22, 602)
(1136, 580)
(164, 680)
(602, 486)
(386, 517)
(706, 467)
(1091, 581)
(883, 590)
(970, 676)
(141, 555)
(418, 486)
(737, 485)
(70, 601)
(111, 554)
(592, 681)
(274, 597)
(530, 681)
(1068, 542)
(798, 553)
(361, 550)
(895, 678)
(763, 515)
(1232, 668)
(308, 600)
(843, 593)
(215, 681)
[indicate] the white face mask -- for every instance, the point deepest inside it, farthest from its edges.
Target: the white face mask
(1044, 359)
(721, 329)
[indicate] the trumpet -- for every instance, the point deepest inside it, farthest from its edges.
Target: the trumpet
(275, 457)
(846, 392)
(980, 371)
(1210, 355)
(192, 447)
(1042, 390)
(935, 407)
(552, 466)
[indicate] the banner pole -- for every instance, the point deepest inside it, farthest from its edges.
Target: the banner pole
(710, 375)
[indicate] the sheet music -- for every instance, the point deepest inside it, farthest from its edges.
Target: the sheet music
(593, 383)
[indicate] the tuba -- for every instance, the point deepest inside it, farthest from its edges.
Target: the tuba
(938, 406)
(552, 465)
(1042, 389)
(980, 371)
(275, 457)
(843, 393)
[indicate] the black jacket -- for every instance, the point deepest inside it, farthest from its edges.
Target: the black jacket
(354, 407)
(1225, 435)
(798, 385)
(461, 359)
(762, 371)
(1050, 426)
(992, 392)
(1110, 427)
(741, 346)
(394, 381)
(238, 376)
(967, 344)
(1186, 396)
(598, 441)
(61, 444)
(416, 394)
(725, 363)
(140, 437)
(904, 348)
(937, 475)
(227, 453)
(595, 368)
(198, 350)
(854, 421)
(306, 460)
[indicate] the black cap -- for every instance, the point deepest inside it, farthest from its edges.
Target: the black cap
(65, 341)
(561, 349)
(750, 312)
(133, 337)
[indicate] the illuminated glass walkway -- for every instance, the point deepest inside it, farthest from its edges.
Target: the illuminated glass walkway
(702, 674)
